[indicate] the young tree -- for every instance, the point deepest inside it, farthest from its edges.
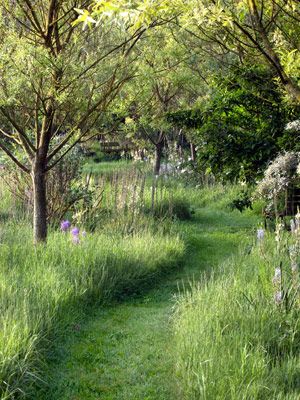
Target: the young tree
(163, 84)
(56, 82)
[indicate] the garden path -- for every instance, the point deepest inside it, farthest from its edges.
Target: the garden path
(124, 351)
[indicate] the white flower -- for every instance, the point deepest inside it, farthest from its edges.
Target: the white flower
(278, 297)
(293, 226)
(260, 234)
(293, 125)
(294, 267)
(277, 273)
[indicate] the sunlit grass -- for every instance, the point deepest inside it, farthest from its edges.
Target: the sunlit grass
(43, 287)
(231, 340)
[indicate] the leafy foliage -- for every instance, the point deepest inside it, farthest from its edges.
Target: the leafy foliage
(243, 125)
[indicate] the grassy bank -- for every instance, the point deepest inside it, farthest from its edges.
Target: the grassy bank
(43, 289)
(231, 339)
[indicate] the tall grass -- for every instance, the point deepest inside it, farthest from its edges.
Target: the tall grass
(232, 341)
(41, 289)
(130, 201)
(110, 167)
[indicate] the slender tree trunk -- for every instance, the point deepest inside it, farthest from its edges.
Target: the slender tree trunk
(39, 204)
(158, 157)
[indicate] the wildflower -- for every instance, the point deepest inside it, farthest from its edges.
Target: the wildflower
(278, 297)
(277, 276)
(279, 234)
(75, 231)
(83, 233)
(297, 221)
(65, 226)
(293, 226)
(294, 268)
(260, 234)
(75, 239)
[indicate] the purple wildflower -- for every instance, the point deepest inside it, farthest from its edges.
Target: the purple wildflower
(65, 226)
(75, 231)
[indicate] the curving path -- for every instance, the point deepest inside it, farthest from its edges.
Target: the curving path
(125, 351)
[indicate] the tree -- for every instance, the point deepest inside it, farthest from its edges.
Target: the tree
(163, 84)
(56, 83)
(242, 126)
(268, 29)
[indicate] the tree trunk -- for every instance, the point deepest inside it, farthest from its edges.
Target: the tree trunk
(39, 205)
(158, 156)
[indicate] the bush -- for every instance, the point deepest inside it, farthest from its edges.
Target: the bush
(64, 186)
(242, 201)
(173, 208)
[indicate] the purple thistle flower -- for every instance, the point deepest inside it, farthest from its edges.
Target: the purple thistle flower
(75, 231)
(65, 226)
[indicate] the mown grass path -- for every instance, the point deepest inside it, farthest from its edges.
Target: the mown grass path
(124, 351)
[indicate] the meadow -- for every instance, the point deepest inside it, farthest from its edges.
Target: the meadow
(149, 200)
(184, 276)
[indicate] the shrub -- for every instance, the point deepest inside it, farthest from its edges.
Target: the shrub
(64, 185)
(177, 208)
(278, 177)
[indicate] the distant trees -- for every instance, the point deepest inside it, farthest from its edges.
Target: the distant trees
(57, 80)
(268, 29)
(163, 84)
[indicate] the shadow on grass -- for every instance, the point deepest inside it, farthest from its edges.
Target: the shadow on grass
(139, 310)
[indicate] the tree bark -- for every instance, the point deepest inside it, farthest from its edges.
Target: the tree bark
(39, 204)
(158, 157)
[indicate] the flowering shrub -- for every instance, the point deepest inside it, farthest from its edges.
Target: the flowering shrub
(278, 177)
